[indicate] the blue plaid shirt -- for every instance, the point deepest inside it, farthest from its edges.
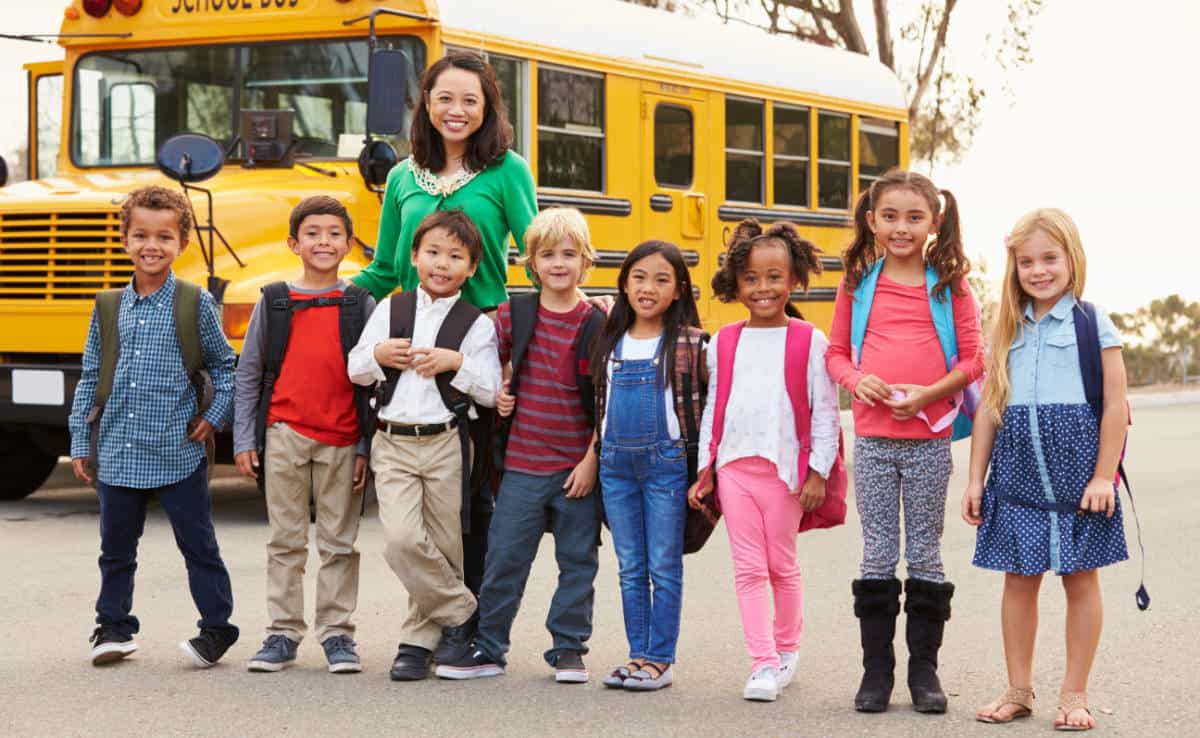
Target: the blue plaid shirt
(143, 432)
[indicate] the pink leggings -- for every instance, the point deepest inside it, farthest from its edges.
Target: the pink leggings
(762, 518)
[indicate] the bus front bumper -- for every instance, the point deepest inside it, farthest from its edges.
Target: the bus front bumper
(37, 394)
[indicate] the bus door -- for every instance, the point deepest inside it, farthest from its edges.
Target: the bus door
(675, 173)
(45, 118)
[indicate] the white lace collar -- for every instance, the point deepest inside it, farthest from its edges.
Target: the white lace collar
(439, 186)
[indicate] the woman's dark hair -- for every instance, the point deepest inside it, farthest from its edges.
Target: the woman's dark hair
(485, 145)
(945, 255)
(748, 234)
(681, 314)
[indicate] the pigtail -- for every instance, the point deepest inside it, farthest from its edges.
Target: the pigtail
(861, 253)
(737, 253)
(805, 257)
(946, 256)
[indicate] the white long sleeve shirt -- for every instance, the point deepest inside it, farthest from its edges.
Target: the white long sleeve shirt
(759, 419)
(416, 400)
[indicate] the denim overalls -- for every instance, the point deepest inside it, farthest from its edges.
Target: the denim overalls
(644, 477)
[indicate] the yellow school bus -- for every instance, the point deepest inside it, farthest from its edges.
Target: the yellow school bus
(654, 125)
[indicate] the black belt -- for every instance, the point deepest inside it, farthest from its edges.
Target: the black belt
(431, 429)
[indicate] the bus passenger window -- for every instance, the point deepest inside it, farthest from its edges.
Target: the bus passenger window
(570, 129)
(878, 149)
(743, 150)
(833, 164)
(672, 146)
(791, 155)
(49, 124)
(510, 77)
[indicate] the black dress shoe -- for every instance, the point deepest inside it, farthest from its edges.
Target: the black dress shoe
(411, 664)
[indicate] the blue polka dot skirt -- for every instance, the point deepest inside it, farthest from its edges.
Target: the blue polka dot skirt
(1042, 460)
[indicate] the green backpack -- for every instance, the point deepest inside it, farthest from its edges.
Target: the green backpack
(187, 332)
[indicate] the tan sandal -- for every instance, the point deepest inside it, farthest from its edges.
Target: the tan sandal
(1022, 697)
(1069, 702)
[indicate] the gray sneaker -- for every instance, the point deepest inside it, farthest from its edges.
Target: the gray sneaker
(340, 653)
(277, 652)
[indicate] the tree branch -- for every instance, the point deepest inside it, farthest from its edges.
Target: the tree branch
(925, 75)
(883, 34)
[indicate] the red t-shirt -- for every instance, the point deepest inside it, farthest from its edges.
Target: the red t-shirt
(550, 432)
(313, 393)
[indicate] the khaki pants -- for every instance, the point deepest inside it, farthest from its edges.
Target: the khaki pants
(419, 484)
(298, 469)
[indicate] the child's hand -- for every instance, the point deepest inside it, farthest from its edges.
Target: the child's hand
(360, 474)
(812, 494)
(394, 353)
(701, 489)
(505, 403)
(914, 400)
(871, 389)
(80, 470)
(972, 500)
(200, 430)
(247, 463)
(583, 477)
(1099, 496)
(431, 362)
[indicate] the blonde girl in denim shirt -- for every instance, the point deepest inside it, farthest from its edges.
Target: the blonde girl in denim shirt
(1049, 503)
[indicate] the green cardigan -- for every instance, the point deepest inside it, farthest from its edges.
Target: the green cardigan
(501, 199)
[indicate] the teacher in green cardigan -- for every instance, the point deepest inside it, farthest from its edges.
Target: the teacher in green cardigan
(460, 160)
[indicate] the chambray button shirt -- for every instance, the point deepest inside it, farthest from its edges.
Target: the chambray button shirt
(143, 432)
(1044, 456)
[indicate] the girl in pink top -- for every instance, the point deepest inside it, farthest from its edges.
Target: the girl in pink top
(905, 262)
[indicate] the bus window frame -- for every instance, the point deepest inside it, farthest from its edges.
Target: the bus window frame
(237, 86)
(871, 125)
(603, 136)
(807, 158)
(658, 105)
(847, 163)
(762, 155)
(34, 153)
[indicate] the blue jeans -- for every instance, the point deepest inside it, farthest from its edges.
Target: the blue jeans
(524, 506)
(645, 499)
(189, 508)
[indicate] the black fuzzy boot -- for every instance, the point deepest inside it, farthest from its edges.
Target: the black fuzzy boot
(876, 604)
(927, 607)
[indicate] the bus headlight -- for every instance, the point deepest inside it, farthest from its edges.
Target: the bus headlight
(235, 319)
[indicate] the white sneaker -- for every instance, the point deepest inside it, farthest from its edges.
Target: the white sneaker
(763, 685)
(787, 667)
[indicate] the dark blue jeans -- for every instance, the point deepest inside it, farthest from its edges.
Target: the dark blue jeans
(645, 499)
(122, 519)
(523, 506)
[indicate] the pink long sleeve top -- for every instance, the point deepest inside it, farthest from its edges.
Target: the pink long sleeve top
(901, 346)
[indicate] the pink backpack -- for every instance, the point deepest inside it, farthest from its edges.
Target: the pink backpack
(832, 511)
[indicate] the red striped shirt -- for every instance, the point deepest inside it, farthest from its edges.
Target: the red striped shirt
(550, 433)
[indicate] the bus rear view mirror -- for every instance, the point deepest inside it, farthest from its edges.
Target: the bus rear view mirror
(190, 157)
(387, 89)
(376, 160)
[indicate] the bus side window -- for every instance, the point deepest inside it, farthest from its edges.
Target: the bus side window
(833, 164)
(672, 146)
(878, 149)
(744, 150)
(791, 131)
(570, 129)
(49, 124)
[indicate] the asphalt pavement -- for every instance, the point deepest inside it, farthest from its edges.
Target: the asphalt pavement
(1145, 681)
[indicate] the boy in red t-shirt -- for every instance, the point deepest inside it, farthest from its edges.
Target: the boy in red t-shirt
(301, 407)
(549, 464)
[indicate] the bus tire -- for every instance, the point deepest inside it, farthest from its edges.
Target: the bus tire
(26, 466)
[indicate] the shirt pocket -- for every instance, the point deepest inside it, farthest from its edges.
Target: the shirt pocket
(1062, 350)
(1018, 354)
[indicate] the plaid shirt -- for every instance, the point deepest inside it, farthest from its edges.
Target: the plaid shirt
(143, 431)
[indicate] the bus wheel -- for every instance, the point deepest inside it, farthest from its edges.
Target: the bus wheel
(26, 466)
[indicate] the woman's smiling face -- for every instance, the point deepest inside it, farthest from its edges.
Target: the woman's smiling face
(457, 105)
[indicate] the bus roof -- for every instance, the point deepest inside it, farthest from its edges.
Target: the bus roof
(700, 45)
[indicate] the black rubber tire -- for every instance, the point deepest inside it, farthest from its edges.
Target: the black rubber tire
(26, 466)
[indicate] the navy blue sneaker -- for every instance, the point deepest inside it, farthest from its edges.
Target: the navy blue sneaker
(109, 646)
(277, 652)
(340, 653)
(474, 665)
(206, 649)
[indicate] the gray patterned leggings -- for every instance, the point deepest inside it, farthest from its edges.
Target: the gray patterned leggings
(917, 471)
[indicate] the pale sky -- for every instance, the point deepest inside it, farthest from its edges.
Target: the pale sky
(1098, 125)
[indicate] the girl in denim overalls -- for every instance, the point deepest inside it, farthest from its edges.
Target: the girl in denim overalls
(648, 418)
(1050, 501)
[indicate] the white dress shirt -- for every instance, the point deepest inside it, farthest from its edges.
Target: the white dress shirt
(417, 401)
(759, 419)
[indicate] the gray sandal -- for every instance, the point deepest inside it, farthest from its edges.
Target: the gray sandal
(643, 681)
(617, 678)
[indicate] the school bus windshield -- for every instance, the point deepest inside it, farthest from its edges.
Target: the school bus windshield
(127, 102)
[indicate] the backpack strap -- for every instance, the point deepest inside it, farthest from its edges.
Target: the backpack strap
(523, 310)
(1091, 369)
(277, 305)
(688, 385)
(353, 313)
(727, 341)
(454, 330)
(108, 305)
(187, 333)
(401, 319)
(584, 343)
(860, 310)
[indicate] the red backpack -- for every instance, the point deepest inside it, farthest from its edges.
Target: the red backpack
(832, 511)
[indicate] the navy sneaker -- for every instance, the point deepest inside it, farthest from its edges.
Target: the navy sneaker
(474, 665)
(340, 653)
(277, 652)
(109, 646)
(456, 641)
(206, 649)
